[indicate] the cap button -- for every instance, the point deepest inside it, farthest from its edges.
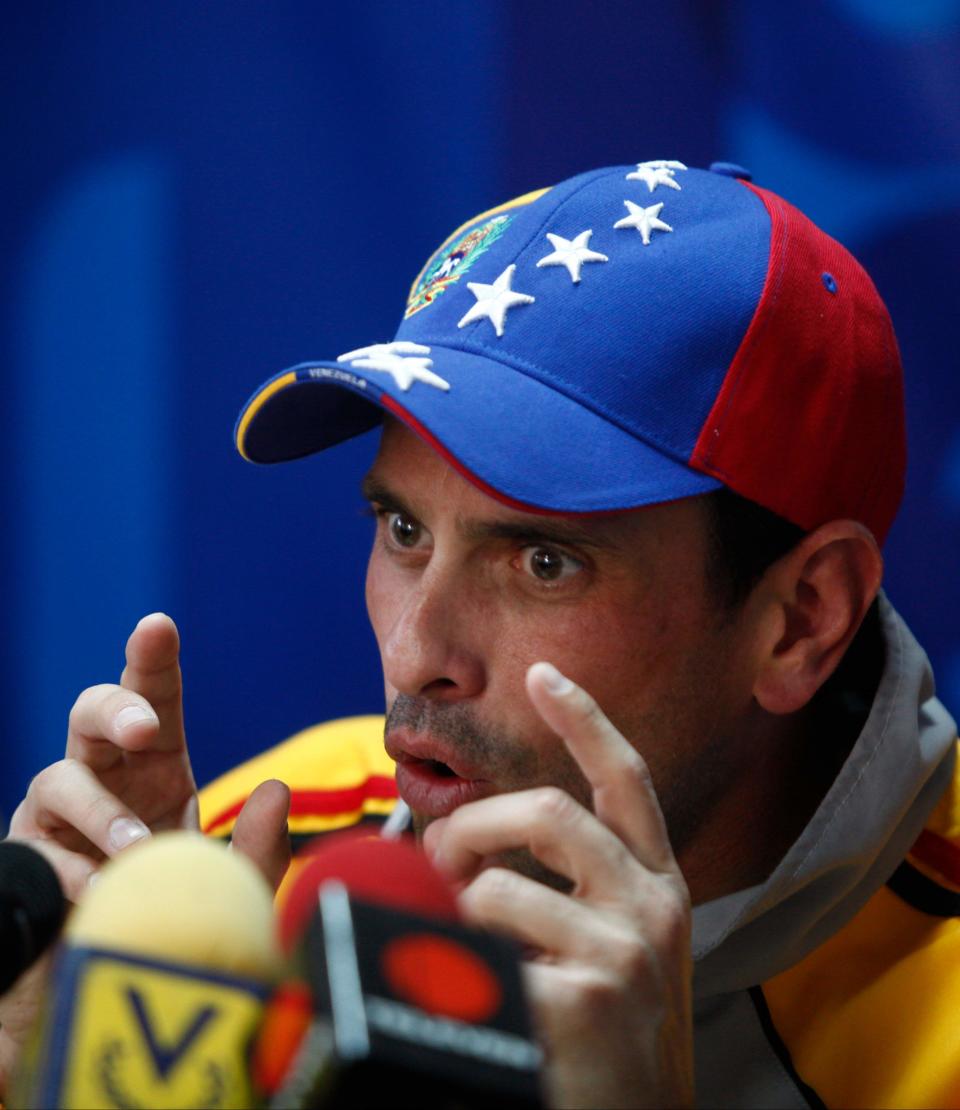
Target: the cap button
(731, 169)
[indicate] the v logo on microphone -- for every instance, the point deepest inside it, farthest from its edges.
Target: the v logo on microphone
(166, 1055)
(130, 1031)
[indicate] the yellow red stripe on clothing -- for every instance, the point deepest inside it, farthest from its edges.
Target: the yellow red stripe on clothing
(319, 803)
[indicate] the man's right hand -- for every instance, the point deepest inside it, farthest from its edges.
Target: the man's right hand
(126, 770)
(126, 773)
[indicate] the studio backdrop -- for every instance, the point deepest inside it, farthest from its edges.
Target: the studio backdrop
(196, 196)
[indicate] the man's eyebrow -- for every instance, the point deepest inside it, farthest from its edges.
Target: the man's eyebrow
(545, 529)
(374, 491)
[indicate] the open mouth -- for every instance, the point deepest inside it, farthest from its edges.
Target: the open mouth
(434, 788)
(440, 769)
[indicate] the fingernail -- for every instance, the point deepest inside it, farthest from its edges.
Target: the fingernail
(92, 879)
(554, 681)
(150, 616)
(133, 715)
(125, 831)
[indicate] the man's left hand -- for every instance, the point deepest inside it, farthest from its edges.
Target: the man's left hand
(610, 986)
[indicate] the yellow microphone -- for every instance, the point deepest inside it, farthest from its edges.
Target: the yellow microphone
(158, 988)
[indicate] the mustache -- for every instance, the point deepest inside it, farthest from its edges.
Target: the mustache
(503, 757)
(457, 725)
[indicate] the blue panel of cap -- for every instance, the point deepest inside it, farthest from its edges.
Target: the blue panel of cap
(644, 339)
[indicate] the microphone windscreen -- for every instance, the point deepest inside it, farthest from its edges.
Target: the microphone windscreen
(390, 873)
(183, 897)
(158, 989)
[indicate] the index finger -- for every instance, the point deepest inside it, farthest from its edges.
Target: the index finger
(153, 671)
(107, 720)
(623, 795)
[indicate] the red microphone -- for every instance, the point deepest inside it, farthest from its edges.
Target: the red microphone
(407, 1005)
(387, 872)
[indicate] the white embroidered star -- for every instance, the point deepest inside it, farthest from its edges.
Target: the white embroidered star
(401, 359)
(644, 220)
(494, 301)
(658, 172)
(571, 253)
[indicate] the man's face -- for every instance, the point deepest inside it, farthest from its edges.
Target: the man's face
(464, 594)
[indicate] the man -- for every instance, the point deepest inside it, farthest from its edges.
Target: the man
(640, 448)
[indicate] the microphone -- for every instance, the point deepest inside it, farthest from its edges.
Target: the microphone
(410, 1006)
(158, 988)
(32, 909)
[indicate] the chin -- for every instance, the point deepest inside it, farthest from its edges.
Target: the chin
(419, 822)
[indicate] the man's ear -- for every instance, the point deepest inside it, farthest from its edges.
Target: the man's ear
(811, 603)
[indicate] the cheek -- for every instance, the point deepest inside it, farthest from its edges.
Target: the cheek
(632, 658)
(585, 642)
(380, 592)
(588, 646)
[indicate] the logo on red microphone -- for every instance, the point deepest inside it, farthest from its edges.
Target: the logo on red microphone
(441, 977)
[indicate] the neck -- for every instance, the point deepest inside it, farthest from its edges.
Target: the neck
(782, 776)
(749, 829)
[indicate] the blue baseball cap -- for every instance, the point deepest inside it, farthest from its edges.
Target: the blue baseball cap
(634, 335)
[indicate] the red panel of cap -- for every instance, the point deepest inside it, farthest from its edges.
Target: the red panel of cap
(809, 421)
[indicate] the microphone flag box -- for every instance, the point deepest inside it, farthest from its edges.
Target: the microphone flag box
(410, 1010)
(127, 1031)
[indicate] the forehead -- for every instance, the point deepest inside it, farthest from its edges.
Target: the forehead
(409, 474)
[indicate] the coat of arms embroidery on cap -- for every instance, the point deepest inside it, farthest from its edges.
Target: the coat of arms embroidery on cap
(452, 261)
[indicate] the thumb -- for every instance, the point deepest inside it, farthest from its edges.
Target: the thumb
(260, 832)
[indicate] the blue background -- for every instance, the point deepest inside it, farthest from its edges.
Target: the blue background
(196, 196)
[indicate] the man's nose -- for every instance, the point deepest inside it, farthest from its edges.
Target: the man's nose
(432, 647)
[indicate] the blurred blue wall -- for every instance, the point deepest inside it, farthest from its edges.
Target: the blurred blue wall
(196, 196)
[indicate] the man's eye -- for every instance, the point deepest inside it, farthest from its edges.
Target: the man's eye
(548, 564)
(405, 531)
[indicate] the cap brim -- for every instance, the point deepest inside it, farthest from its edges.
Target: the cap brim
(518, 438)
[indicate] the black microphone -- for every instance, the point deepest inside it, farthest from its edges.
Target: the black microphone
(32, 909)
(410, 1007)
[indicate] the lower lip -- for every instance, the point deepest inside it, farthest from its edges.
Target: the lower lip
(428, 792)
